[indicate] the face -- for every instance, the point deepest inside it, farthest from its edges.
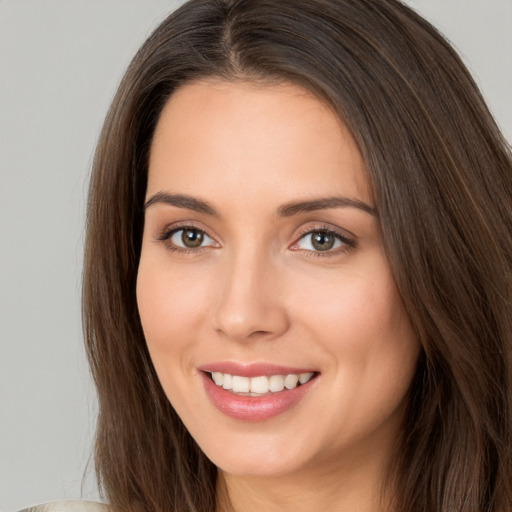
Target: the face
(265, 295)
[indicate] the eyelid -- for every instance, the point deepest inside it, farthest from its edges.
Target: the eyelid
(163, 232)
(348, 240)
(169, 230)
(206, 238)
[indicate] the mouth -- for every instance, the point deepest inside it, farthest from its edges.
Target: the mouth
(262, 385)
(256, 392)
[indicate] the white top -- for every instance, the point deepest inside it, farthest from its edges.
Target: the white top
(69, 506)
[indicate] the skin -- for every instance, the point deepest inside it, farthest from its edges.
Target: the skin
(256, 290)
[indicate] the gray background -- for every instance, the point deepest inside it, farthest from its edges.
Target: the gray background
(60, 61)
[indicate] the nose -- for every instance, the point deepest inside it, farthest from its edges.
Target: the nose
(251, 302)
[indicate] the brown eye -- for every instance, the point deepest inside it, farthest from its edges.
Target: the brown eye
(190, 238)
(322, 240)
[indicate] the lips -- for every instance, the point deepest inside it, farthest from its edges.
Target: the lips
(255, 392)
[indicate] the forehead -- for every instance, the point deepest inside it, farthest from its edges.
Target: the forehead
(276, 140)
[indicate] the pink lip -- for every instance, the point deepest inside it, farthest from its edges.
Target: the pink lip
(252, 408)
(252, 369)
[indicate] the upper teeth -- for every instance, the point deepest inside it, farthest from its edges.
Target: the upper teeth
(259, 385)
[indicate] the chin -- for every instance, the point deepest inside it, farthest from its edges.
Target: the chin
(259, 455)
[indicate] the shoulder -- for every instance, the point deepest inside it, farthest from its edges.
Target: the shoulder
(69, 506)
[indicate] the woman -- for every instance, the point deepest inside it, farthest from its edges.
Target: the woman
(297, 279)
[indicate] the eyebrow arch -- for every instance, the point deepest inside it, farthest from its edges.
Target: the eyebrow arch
(181, 201)
(323, 203)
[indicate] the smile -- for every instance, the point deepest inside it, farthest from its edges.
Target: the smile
(259, 385)
(262, 391)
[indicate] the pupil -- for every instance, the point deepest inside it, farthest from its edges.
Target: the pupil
(192, 238)
(322, 241)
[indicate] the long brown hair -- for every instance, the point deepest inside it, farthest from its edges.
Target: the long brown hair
(442, 182)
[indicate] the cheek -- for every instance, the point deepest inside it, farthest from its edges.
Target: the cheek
(359, 320)
(170, 305)
(167, 298)
(356, 312)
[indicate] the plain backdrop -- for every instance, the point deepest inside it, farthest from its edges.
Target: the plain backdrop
(60, 62)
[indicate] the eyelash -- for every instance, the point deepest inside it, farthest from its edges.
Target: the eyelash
(167, 234)
(348, 243)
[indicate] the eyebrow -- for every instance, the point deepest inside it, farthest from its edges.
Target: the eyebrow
(324, 203)
(182, 201)
(287, 210)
